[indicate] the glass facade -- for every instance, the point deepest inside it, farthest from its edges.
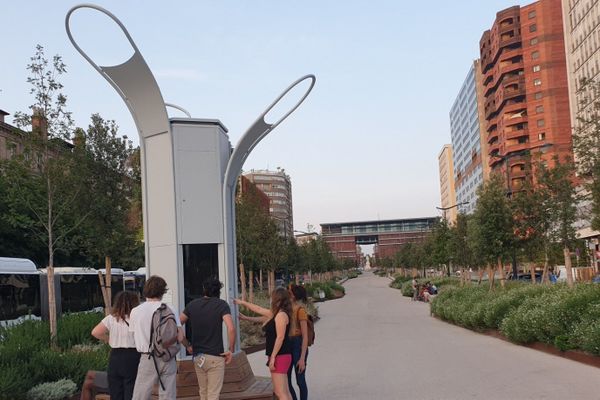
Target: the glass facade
(466, 142)
(354, 228)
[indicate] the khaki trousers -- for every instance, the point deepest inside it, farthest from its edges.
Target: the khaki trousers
(210, 374)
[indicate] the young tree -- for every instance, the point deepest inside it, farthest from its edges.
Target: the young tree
(560, 201)
(492, 230)
(44, 179)
(254, 229)
(458, 245)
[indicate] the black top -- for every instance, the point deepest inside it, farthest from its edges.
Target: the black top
(271, 335)
(206, 320)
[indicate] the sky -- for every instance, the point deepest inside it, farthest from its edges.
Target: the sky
(364, 144)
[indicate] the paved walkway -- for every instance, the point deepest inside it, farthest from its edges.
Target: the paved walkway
(376, 344)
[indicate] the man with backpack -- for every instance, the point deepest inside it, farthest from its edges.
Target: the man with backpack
(205, 316)
(156, 330)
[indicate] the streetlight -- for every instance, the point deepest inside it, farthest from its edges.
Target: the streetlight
(444, 209)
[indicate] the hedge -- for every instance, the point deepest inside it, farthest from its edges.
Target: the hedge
(26, 359)
(525, 313)
(332, 290)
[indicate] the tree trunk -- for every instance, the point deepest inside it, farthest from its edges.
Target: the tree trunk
(272, 274)
(251, 284)
(491, 276)
(480, 275)
(260, 279)
(502, 274)
(268, 283)
(243, 281)
(545, 275)
(51, 292)
(569, 268)
(532, 272)
(108, 284)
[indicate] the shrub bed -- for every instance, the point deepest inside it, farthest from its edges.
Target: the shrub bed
(332, 290)
(524, 313)
(26, 359)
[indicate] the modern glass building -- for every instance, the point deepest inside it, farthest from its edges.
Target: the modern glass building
(466, 142)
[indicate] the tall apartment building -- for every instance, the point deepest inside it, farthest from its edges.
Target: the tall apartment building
(581, 22)
(278, 187)
(526, 104)
(469, 146)
(447, 193)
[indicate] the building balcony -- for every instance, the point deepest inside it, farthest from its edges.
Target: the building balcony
(516, 147)
(517, 133)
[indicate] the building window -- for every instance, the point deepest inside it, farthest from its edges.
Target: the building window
(542, 136)
(537, 82)
(531, 14)
(533, 41)
(540, 123)
(532, 28)
(539, 109)
(538, 95)
(535, 55)
(536, 68)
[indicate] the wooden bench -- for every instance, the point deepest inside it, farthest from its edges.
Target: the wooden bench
(239, 382)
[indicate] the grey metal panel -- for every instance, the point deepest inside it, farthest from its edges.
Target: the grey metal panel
(200, 198)
(195, 137)
(160, 194)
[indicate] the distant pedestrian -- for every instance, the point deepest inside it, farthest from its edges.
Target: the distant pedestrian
(206, 316)
(415, 288)
(276, 325)
(153, 370)
(299, 341)
(124, 358)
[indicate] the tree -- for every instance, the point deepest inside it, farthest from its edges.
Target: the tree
(441, 245)
(560, 201)
(43, 183)
(492, 230)
(458, 245)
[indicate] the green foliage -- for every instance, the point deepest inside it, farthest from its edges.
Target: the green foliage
(407, 289)
(399, 281)
(75, 329)
(26, 358)
(492, 230)
(332, 290)
(52, 390)
(524, 313)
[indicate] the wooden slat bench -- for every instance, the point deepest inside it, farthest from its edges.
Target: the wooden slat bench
(239, 383)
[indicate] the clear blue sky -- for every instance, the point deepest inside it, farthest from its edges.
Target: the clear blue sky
(364, 145)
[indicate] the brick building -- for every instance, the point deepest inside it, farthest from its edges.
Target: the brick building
(277, 185)
(526, 102)
(388, 236)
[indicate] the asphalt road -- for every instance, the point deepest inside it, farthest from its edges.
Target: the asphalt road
(376, 344)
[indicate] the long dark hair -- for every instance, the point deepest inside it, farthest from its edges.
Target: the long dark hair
(124, 303)
(299, 293)
(281, 301)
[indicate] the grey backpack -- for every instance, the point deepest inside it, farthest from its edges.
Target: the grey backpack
(163, 337)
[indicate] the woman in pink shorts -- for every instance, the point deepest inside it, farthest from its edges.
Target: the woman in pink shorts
(276, 324)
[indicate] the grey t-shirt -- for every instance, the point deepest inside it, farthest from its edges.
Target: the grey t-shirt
(206, 320)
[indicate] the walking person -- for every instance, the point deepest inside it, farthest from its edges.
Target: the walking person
(206, 316)
(124, 357)
(276, 325)
(298, 341)
(153, 370)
